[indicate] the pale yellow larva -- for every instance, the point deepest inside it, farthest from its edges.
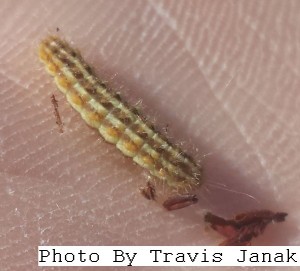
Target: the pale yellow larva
(119, 123)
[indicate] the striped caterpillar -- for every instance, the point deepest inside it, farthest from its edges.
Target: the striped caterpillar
(121, 124)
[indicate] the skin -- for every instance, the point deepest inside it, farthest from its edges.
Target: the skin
(221, 75)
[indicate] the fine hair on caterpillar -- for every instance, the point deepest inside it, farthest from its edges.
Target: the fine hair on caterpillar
(207, 185)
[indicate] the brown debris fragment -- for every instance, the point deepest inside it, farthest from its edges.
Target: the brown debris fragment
(180, 201)
(56, 113)
(148, 191)
(240, 230)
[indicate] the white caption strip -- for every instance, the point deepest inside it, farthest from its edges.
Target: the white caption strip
(169, 256)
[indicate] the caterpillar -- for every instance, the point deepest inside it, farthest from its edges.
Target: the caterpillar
(121, 124)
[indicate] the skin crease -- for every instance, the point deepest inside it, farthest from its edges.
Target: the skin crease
(221, 75)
